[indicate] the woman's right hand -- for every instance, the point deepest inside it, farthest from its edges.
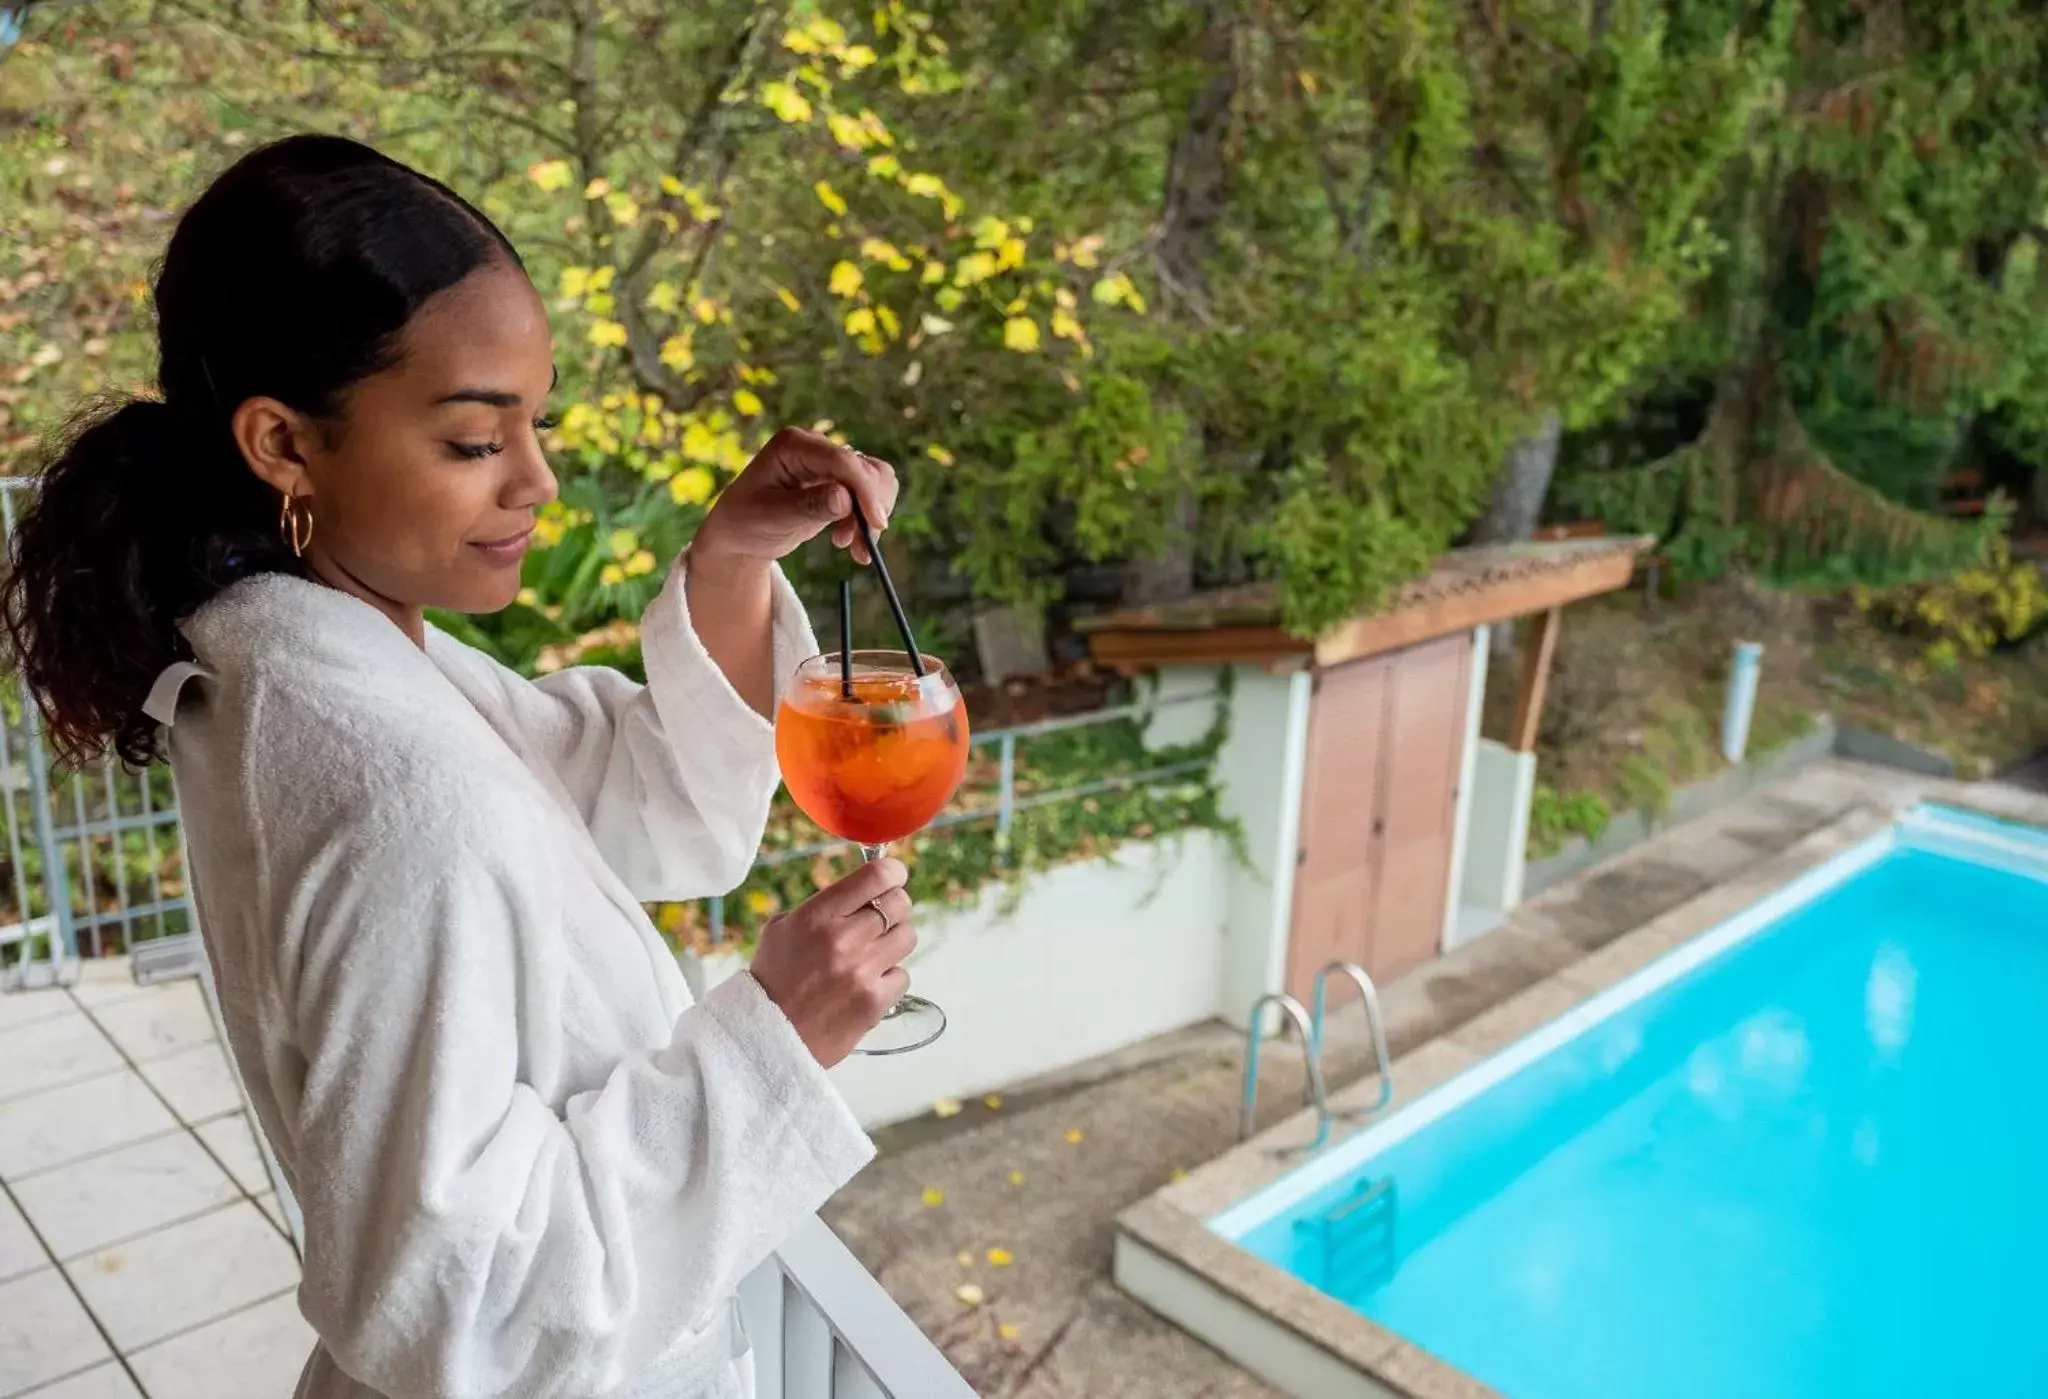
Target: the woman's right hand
(831, 964)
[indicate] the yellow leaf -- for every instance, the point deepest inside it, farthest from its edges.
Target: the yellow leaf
(846, 279)
(970, 1294)
(1000, 1258)
(602, 278)
(1075, 1136)
(939, 454)
(622, 543)
(857, 57)
(827, 33)
(993, 1101)
(1008, 1331)
(662, 296)
(746, 402)
(641, 564)
(607, 333)
(1016, 1177)
(1083, 252)
(975, 267)
(672, 187)
(788, 298)
(1011, 253)
(1020, 333)
(829, 197)
(625, 210)
(678, 354)
(691, 486)
(884, 167)
(847, 131)
(933, 1197)
(879, 250)
(989, 232)
(528, 598)
(798, 42)
(611, 575)
(925, 186)
(761, 901)
(1308, 81)
(933, 272)
(597, 188)
(550, 175)
(1066, 327)
(575, 281)
(946, 1107)
(786, 102)
(599, 303)
(860, 321)
(705, 309)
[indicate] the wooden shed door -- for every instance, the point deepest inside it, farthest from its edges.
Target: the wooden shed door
(1379, 804)
(1419, 804)
(1335, 877)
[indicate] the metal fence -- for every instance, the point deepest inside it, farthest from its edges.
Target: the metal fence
(1008, 802)
(95, 859)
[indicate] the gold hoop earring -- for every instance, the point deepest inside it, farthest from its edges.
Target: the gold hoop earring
(295, 523)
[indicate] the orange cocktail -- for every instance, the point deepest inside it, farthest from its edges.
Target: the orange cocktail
(871, 760)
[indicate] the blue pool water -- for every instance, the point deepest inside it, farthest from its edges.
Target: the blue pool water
(1814, 1166)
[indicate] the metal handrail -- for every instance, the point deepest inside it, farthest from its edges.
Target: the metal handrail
(1316, 1097)
(1375, 1024)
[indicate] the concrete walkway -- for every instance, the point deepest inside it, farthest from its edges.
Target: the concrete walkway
(1042, 1175)
(141, 1252)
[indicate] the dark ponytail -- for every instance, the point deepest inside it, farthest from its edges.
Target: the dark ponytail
(292, 277)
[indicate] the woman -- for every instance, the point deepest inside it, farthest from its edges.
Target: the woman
(527, 1164)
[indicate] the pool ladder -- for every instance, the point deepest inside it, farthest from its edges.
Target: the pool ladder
(1308, 1028)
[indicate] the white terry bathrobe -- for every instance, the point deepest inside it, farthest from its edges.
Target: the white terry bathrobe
(528, 1164)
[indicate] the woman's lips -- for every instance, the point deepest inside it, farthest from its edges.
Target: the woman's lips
(509, 550)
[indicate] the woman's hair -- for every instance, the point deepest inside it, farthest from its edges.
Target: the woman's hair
(292, 277)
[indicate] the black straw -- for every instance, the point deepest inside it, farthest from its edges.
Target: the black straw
(867, 537)
(846, 638)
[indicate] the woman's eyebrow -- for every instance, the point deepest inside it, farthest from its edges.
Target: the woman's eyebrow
(496, 398)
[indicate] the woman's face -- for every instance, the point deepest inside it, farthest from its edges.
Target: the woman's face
(423, 494)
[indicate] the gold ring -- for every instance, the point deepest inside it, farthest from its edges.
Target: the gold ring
(876, 905)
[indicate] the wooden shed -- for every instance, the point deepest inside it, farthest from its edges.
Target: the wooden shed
(1391, 783)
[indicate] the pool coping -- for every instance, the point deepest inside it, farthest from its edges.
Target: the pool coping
(1171, 1226)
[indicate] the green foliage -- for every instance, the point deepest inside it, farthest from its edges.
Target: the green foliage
(1971, 613)
(1554, 819)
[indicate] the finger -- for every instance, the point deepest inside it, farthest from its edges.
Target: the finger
(894, 907)
(893, 946)
(886, 480)
(864, 885)
(827, 502)
(891, 986)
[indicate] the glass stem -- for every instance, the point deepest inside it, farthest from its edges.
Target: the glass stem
(868, 855)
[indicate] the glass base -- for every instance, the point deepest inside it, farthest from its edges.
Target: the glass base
(912, 1023)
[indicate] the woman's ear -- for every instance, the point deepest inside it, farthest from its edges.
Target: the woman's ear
(274, 439)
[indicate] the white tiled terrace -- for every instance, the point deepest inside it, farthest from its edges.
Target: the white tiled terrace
(141, 1250)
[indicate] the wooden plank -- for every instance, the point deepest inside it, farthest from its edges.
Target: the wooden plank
(1483, 606)
(1124, 648)
(1535, 679)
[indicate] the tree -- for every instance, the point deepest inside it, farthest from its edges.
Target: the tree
(1881, 301)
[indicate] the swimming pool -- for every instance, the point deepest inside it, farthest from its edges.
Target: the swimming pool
(1800, 1156)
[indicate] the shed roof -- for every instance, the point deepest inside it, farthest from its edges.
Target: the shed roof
(1467, 588)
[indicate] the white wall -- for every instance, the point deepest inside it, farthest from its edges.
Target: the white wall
(1260, 771)
(1468, 766)
(1497, 831)
(1093, 957)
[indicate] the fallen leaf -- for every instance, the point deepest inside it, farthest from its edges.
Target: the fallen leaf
(946, 1107)
(1000, 1258)
(933, 1197)
(964, 1258)
(1177, 1174)
(970, 1294)
(1016, 1177)
(994, 1101)
(1008, 1331)
(1075, 1136)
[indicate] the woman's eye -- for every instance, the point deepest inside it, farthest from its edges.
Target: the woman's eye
(546, 422)
(474, 450)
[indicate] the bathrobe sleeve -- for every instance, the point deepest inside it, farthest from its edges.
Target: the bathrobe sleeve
(468, 1240)
(674, 777)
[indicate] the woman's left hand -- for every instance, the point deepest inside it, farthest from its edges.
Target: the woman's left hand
(795, 486)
